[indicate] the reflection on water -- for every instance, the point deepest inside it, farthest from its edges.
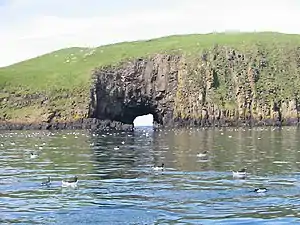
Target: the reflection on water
(118, 185)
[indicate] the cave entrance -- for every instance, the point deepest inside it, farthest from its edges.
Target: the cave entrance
(143, 121)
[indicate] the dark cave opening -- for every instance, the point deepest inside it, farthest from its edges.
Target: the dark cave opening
(130, 112)
(126, 110)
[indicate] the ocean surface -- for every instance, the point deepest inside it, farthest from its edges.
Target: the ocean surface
(117, 184)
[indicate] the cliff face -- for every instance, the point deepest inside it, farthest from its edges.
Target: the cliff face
(245, 80)
(221, 86)
(136, 88)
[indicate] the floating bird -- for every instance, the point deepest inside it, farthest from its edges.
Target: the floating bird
(46, 183)
(157, 168)
(260, 190)
(203, 154)
(116, 148)
(123, 142)
(70, 183)
(33, 155)
(239, 174)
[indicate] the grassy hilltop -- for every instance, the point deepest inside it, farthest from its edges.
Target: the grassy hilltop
(60, 81)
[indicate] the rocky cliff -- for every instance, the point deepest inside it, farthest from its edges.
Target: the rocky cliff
(221, 86)
(136, 88)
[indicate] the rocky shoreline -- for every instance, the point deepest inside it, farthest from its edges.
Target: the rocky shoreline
(235, 123)
(103, 125)
(88, 123)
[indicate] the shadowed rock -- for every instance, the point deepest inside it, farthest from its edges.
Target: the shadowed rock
(136, 88)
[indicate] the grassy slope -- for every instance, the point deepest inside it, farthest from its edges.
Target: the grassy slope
(69, 70)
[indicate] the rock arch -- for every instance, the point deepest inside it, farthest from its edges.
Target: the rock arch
(136, 88)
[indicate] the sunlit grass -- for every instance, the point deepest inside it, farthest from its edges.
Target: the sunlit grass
(70, 69)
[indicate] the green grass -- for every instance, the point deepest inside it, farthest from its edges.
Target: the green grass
(70, 69)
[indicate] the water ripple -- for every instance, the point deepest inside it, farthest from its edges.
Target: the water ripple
(118, 186)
